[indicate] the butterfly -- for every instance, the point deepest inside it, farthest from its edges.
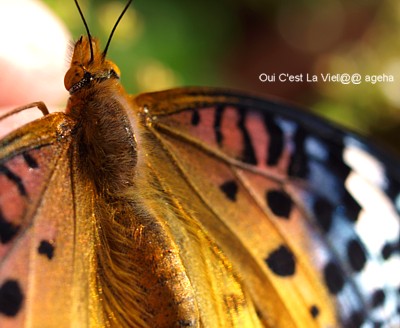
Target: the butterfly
(192, 207)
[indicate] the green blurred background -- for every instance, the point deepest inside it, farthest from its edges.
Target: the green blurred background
(229, 43)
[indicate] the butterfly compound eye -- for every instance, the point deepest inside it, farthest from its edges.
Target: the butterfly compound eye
(114, 71)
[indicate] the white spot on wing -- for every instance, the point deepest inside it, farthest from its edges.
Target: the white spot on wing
(370, 278)
(378, 221)
(392, 268)
(365, 164)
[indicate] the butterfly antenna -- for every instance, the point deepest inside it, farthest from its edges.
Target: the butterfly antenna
(115, 26)
(87, 31)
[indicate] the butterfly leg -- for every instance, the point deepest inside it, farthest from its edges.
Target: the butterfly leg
(39, 104)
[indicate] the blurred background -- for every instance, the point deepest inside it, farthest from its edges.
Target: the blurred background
(229, 43)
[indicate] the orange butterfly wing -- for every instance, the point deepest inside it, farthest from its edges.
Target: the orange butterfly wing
(47, 271)
(226, 201)
(35, 176)
(284, 196)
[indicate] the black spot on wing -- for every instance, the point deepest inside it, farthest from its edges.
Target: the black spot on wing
(390, 249)
(356, 255)
(279, 202)
(356, 320)
(7, 229)
(323, 211)
(30, 161)
(387, 251)
(248, 154)
(217, 124)
(298, 166)
(11, 298)
(333, 278)
(229, 188)
(336, 164)
(276, 143)
(281, 262)
(195, 117)
(352, 208)
(46, 248)
(377, 298)
(314, 311)
(14, 178)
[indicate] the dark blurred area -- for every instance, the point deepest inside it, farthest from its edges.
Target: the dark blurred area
(229, 43)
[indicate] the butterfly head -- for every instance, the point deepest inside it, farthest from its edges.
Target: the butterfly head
(88, 66)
